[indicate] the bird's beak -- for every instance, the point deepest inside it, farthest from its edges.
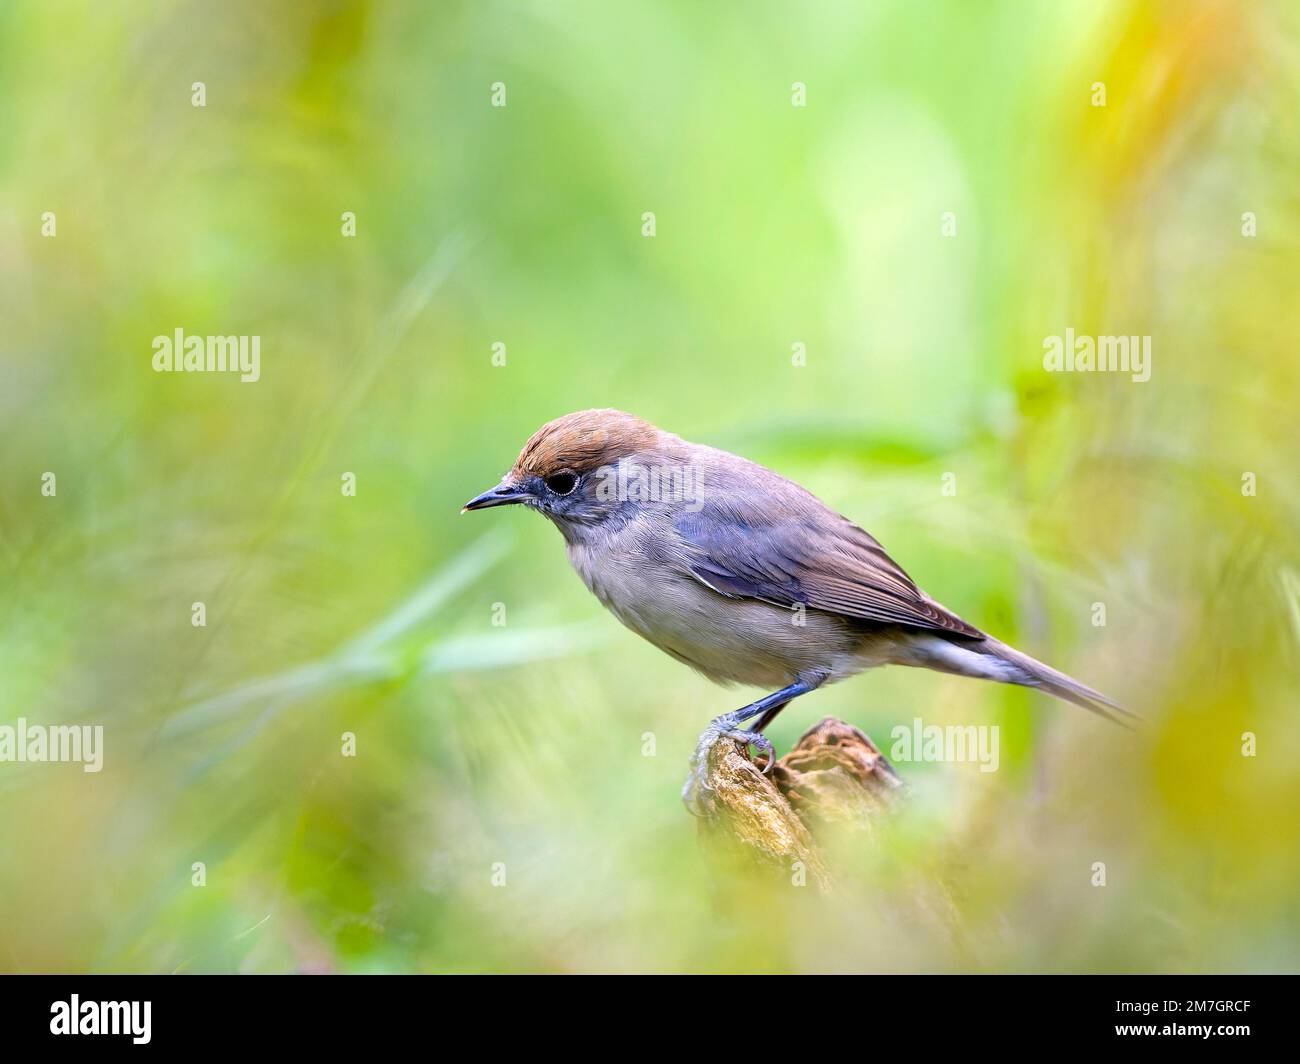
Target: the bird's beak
(502, 495)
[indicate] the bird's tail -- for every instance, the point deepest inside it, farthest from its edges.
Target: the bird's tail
(989, 659)
(1030, 672)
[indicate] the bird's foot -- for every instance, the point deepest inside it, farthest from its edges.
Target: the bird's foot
(759, 742)
(696, 792)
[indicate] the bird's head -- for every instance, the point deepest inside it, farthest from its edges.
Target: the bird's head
(570, 468)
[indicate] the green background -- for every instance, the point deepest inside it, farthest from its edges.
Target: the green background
(525, 745)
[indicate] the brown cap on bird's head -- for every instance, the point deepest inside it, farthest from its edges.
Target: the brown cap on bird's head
(583, 441)
(564, 449)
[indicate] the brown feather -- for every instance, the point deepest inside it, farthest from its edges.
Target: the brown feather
(585, 440)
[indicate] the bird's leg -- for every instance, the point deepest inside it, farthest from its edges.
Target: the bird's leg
(761, 724)
(729, 725)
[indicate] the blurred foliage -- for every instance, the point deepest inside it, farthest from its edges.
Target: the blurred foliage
(523, 744)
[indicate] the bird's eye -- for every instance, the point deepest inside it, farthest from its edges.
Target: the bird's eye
(562, 483)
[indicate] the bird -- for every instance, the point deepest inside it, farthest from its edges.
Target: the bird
(743, 574)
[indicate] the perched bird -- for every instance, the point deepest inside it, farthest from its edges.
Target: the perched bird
(741, 573)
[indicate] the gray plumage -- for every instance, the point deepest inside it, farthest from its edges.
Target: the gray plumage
(739, 572)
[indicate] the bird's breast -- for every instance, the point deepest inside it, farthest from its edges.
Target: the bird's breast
(727, 639)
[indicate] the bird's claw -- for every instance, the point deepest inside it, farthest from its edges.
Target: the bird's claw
(694, 796)
(696, 792)
(758, 741)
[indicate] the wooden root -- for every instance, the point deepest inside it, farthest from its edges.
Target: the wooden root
(834, 775)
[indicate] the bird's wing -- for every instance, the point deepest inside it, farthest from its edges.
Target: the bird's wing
(811, 556)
